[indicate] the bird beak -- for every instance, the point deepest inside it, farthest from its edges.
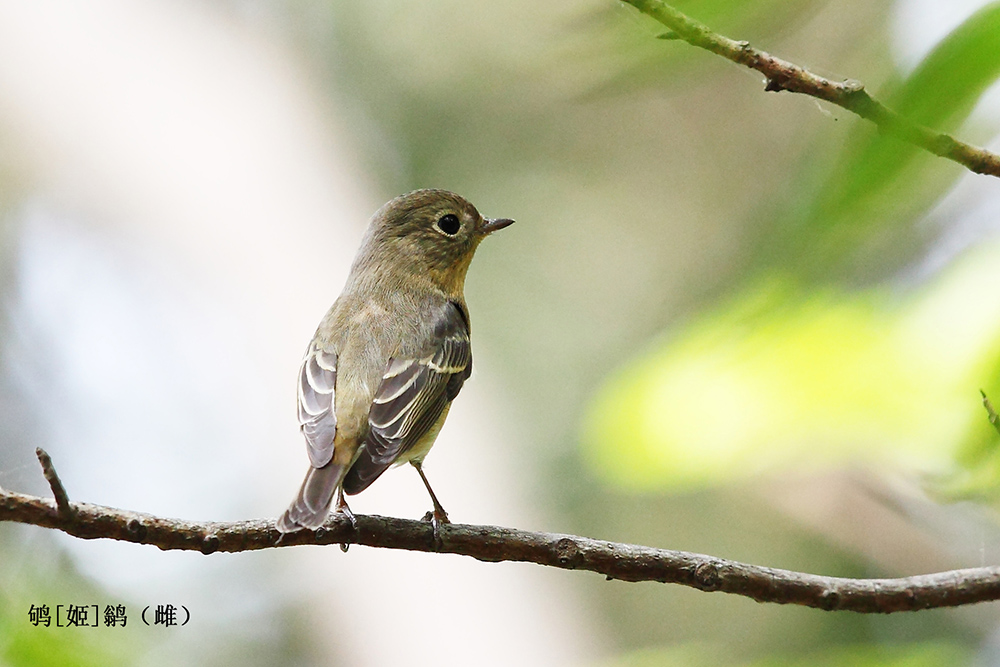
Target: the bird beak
(491, 225)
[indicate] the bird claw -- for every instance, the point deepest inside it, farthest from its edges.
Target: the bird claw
(344, 510)
(437, 518)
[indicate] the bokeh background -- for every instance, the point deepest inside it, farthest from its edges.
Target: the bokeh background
(727, 321)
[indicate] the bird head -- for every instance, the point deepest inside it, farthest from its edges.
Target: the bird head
(427, 234)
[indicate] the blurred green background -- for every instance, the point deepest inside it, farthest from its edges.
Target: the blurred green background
(727, 321)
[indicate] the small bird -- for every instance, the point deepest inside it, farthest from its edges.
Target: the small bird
(390, 355)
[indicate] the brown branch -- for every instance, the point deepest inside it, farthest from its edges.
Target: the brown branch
(52, 477)
(626, 562)
(851, 95)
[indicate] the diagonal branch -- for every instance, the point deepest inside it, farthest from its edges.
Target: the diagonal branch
(626, 562)
(52, 477)
(994, 418)
(851, 95)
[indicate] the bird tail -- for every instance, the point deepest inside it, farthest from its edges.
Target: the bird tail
(311, 507)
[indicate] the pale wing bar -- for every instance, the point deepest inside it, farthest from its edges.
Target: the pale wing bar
(317, 416)
(411, 398)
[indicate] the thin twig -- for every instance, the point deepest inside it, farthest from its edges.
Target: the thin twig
(626, 562)
(994, 419)
(52, 477)
(851, 95)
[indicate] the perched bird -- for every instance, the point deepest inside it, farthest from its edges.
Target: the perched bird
(391, 354)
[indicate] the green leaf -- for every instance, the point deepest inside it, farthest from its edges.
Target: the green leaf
(940, 94)
(782, 377)
(859, 216)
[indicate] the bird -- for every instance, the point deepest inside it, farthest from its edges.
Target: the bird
(379, 375)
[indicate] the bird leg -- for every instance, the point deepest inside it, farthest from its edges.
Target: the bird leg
(439, 516)
(342, 508)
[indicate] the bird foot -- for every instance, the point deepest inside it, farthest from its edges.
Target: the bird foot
(344, 510)
(437, 518)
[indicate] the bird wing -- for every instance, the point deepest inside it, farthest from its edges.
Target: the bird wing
(317, 416)
(412, 396)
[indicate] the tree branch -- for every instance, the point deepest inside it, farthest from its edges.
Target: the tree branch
(851, 95)
(626, 562)
(52, 477)
(994, 419)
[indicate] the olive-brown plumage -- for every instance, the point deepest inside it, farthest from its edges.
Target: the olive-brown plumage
(391, 354)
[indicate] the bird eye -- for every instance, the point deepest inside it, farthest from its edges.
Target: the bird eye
(449, 224)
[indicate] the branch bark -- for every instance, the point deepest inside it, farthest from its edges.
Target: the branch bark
(627, 562)
(850, 95)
